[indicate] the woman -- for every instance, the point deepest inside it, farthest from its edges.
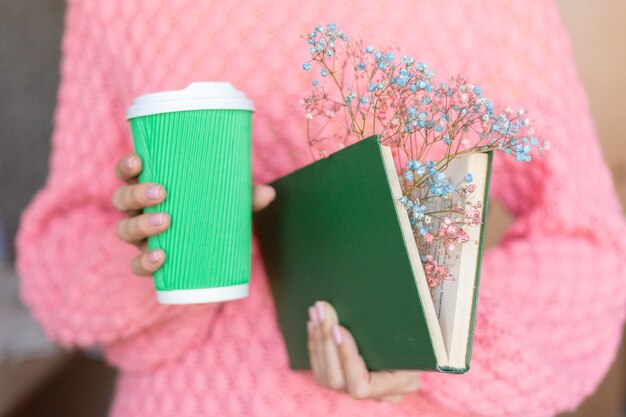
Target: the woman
(551, 304)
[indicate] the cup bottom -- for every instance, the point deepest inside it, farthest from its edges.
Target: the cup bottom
(203, 295)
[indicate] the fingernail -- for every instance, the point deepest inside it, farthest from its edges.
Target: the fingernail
(131, 162)
(155, 256)
(313, 315)
(320, 310)
(269, 191)
(153, 192)
(334, 329)
(156, 219)
(309, 327)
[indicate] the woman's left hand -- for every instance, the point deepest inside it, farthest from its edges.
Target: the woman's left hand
(336, 363)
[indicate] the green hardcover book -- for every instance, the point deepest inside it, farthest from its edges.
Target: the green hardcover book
(338, 232)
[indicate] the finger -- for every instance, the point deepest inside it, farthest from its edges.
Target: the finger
(392, 383)
(140, 227)
(320, 370)
(262, 196)
(354, 370)
(333, 371)
(128, 167)
(362, 384)
(394, 399)
(137, 196)
(313, 353)
(147, 263)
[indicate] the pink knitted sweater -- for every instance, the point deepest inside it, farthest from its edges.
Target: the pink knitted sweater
(552, 301)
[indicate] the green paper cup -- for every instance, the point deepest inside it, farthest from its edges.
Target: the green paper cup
(196, 143)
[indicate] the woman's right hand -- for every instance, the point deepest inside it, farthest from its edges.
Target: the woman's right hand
(137, 227)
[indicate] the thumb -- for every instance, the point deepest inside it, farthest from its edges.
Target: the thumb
(262, 196)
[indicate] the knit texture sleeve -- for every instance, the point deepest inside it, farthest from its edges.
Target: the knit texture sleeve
(552, 303)
(74, 270)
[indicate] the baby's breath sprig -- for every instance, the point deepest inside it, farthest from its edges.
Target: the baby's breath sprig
(369, 91)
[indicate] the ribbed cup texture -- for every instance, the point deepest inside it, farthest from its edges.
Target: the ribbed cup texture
(203, 160)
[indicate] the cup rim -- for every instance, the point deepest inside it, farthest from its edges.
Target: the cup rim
(204, 95)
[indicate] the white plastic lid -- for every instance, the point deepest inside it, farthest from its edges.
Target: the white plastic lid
(196, 96)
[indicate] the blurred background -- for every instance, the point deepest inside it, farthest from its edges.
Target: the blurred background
(38, 379)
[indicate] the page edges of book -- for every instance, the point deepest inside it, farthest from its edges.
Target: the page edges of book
(477, 165)
(446, 295)
(473, 309)
(416, 264)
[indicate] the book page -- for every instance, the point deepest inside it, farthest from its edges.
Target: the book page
(478, 165)
(445, 295)
(453, 299)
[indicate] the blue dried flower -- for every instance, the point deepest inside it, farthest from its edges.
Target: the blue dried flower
(348, 99)
(438, 190)
(306, 66)
(399, 81)
(407, 60)
(489, 107)
(389, 56)
(413, 164)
